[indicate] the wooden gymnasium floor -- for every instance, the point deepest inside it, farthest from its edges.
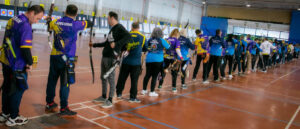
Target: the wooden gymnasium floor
(256, 101)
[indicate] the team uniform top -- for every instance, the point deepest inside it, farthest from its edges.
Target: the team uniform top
(174, 45)
(65, 35)
(135, 48)
(202, 45)
(155, 47)
(19, 34)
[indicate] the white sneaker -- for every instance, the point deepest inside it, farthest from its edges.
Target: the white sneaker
(20, 120)
(223, 78)
(153, 94)
(174, 89)
(230, 77)
(3, 117)
(205, 82)
(144, 92)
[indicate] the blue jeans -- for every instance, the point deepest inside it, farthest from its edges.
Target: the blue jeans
(11, 94)
(57, 70)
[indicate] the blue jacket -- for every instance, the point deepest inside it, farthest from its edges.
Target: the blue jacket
(252, 46)
(185, 45)
(216, 45)
(245, 44)
(155, 46)
(230, 47)
(240, 48)
(135, 49)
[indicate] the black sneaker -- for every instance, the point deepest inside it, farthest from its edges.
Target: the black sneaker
(50, 107)
(131, 100)
(67, 112)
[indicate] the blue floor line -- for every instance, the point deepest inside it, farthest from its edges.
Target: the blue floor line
(138, 115)
(240, 110)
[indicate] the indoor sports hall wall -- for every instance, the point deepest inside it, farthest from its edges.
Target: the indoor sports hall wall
(295, 27)
(210, 25)
(266, 15)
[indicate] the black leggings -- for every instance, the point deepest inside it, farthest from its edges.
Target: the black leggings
(152, 70)
(229, 59)
(166, 64)
(175, 74)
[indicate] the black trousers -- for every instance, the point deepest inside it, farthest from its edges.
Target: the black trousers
(152, 70)
(197, 66)
(265, 61)
(227, 59)
(125, 71)
(11, 97)
(214, 61)
(253, 61)
(57, 70)
(243, 62)
(198, 63)
(237, 63)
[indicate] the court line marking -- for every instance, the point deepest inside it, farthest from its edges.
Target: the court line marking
(127, 122)
(257, 93)
(281, 77)
(293, 118)
(138, 115)
(237, 109)
(164, 100)
(100, 125)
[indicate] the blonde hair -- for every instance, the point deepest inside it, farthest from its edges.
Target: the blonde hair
(174, 33)
(183, 32)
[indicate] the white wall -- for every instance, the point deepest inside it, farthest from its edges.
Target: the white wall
(159, 10)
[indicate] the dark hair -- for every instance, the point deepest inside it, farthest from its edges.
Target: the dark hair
(72, 10)
(230, 36)
(113, 14)
(135, 25)
(36, 9)
(218, 31)
(198, 31)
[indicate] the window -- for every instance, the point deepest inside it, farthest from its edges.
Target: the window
(238, 30)
(250, 31)
(274, 34)
(284, 35)
(260, 32)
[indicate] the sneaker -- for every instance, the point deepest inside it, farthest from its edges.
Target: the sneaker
(174, 89)
(119, 96)
(144, 92)
(159, 86)
(131, 100)
(223, 78)
(194, 79)
(153, 94)
(107, 104)
(184, 86)
(99, 99)
(50, 107)
(239, 74)
(205, 82)
(67, 112)
(230, 77)
(19, 120)
(217, 80)
(264, 71)
(3, 117)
